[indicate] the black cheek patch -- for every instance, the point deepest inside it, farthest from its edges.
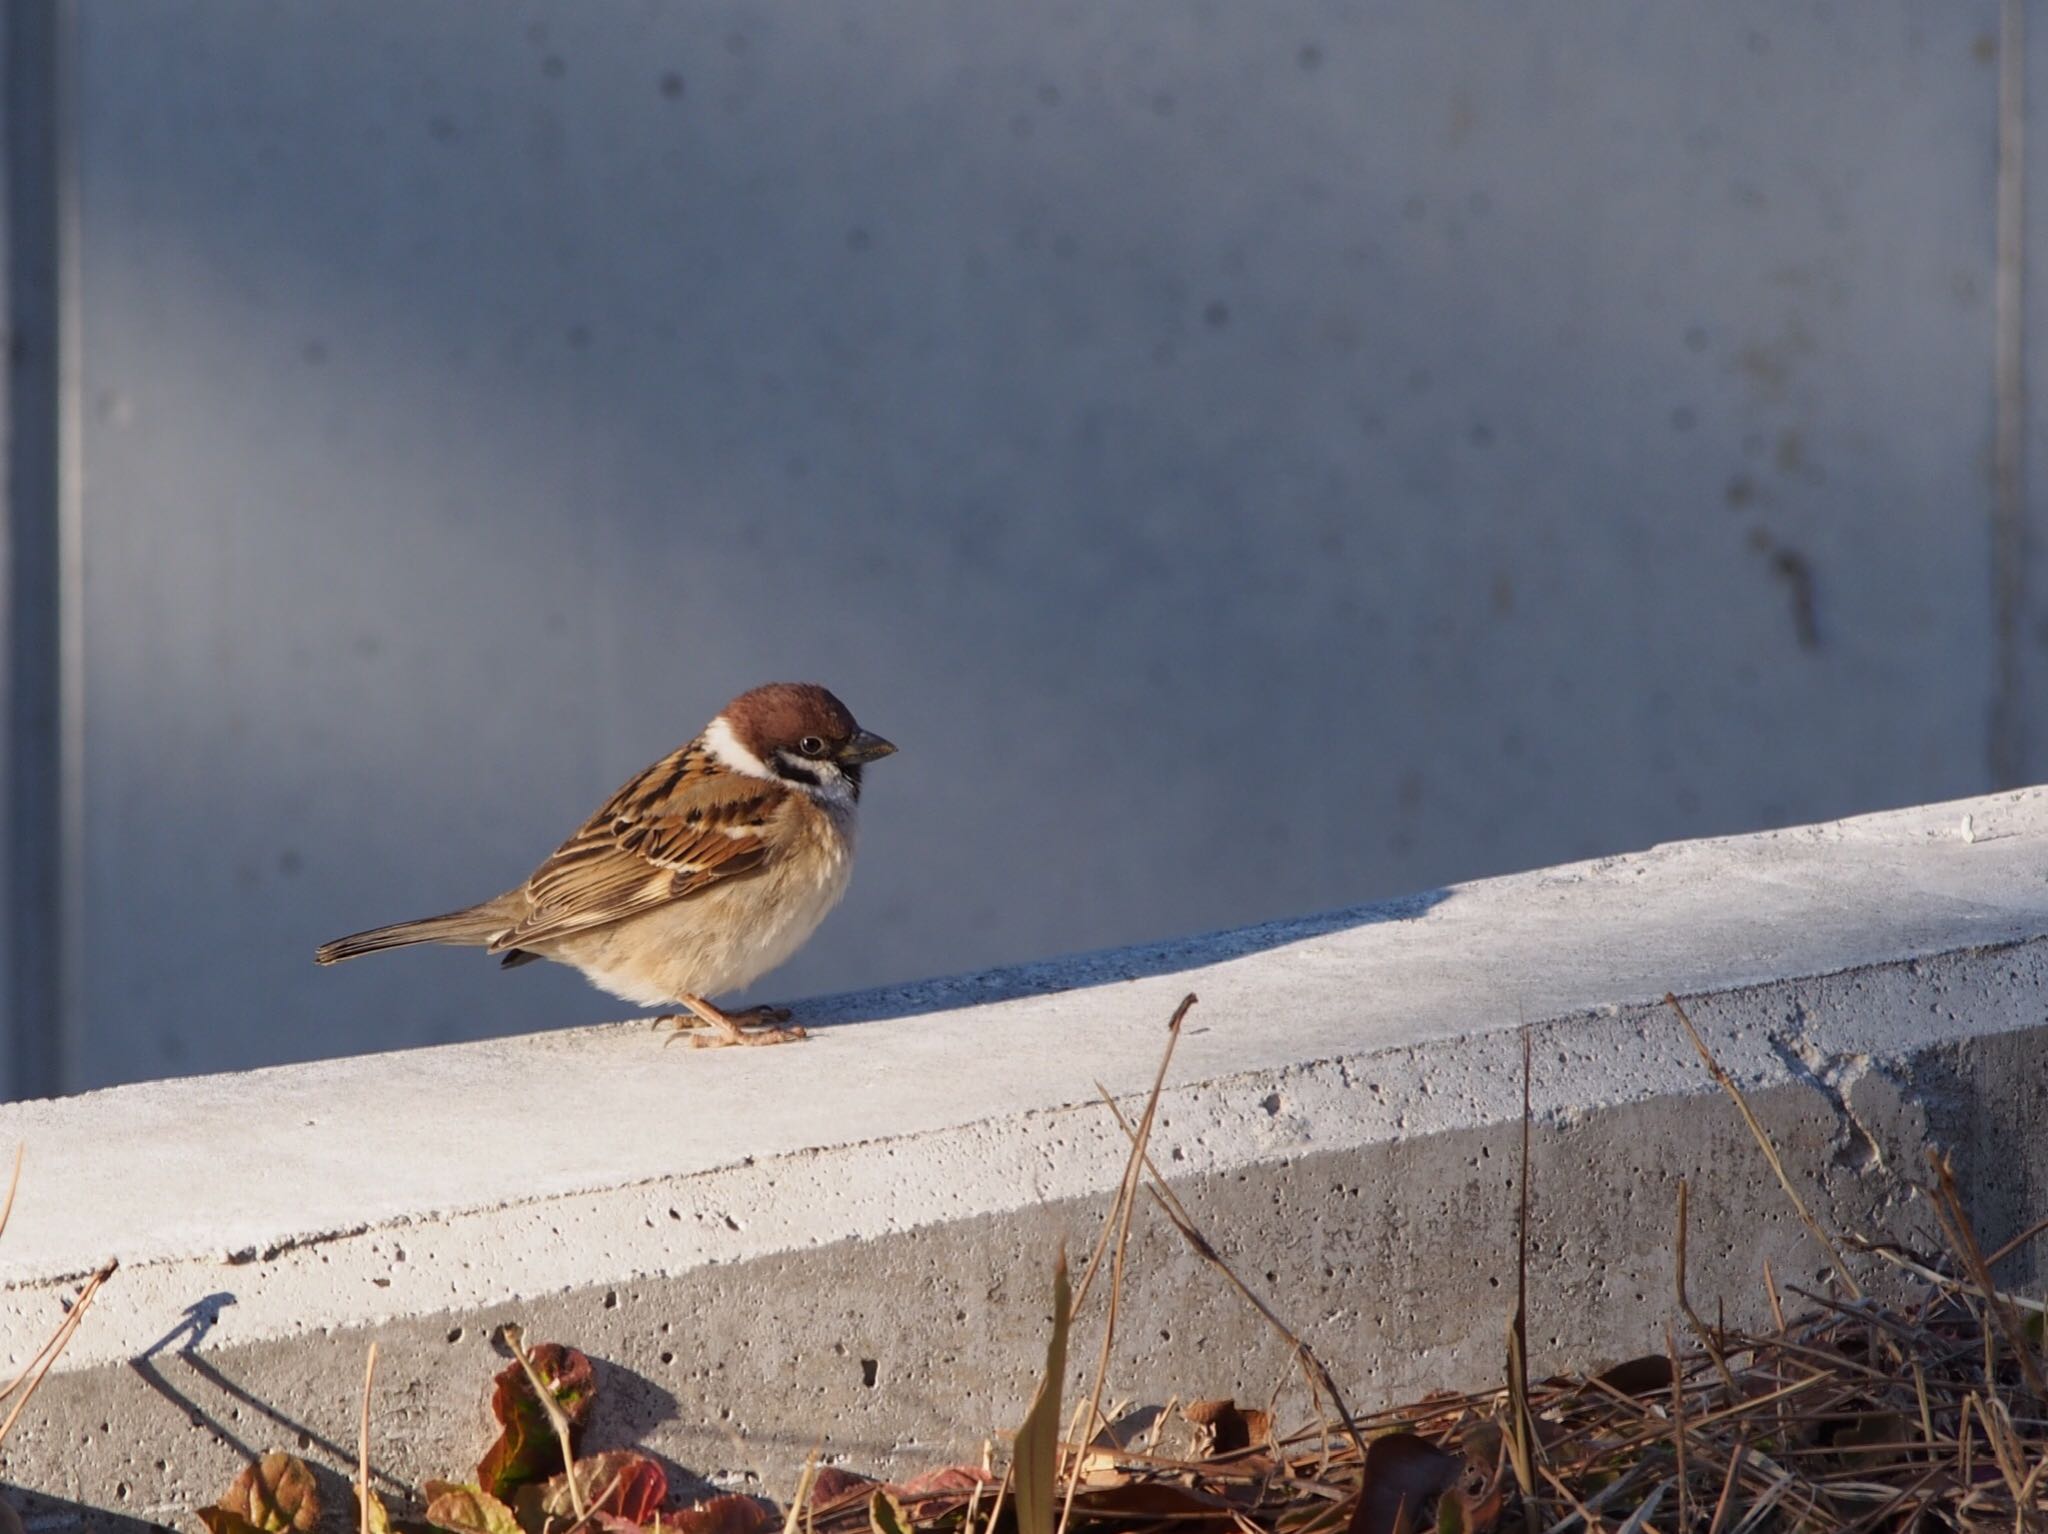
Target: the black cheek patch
(794, 773)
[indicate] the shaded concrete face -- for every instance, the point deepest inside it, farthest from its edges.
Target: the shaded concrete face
(1252, 460)
(1396, 1261)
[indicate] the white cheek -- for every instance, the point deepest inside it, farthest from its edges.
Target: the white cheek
(726, 750)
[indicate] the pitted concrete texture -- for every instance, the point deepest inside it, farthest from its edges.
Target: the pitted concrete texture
(849, 1241)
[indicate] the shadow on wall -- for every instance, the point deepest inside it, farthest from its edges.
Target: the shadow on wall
(42, 1514)
(1107, 966)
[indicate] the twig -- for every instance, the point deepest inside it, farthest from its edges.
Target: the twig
(1521, 1436)
(515, 1340)
(1678, 1426)
(1177, 1216)
(59, 1339)
(1948, 1207)
(2005, 1251)
(802, 1498)
(1763, 1140)
(363, 1447)
(13, 1183)
(1692, 1317)
(1728, 1483)
(995, 1514)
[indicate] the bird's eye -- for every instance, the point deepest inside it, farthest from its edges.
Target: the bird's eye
(810, 745)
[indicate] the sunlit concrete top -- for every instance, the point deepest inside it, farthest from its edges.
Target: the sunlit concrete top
(368, 1186)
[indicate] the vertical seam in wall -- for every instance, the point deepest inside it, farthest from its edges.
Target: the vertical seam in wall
(2006, 746)
(70, 510)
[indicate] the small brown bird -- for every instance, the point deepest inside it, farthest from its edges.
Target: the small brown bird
(699, 876)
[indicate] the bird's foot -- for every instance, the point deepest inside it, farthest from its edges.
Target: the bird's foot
(707, 1027)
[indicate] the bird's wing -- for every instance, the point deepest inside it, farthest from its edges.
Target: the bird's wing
(679, 828)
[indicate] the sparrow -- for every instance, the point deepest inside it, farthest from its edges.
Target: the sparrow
(703, 873)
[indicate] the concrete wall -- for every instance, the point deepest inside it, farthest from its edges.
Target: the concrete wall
(734, 1232)
(1252, 459)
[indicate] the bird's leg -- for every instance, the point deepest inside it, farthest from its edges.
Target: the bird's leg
(728, 1027)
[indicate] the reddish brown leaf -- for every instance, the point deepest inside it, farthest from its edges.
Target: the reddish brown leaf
(833, 1487)
(1404, 1476)
(730, 1514)
(527, 1449)
(274, 1495)
(953, 1480)
(618, 1482)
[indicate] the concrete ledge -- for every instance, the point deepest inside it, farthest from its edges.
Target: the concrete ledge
(850, 1240)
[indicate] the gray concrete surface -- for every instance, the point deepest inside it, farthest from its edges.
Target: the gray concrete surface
(850, 1241)
(1253, 459)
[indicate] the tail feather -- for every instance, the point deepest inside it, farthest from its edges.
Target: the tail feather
(475, 926)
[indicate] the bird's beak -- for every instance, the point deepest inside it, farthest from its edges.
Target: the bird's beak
(865, 746)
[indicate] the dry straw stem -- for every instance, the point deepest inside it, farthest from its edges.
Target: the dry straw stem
(1321, 1381)
(1948, 1207)
(515, 1339)
(1763, 1140)
(33, 1371)
(1522, 1442)
(1120, 1221)
(363, 1446)
(1856, 1417)
(38, 1366)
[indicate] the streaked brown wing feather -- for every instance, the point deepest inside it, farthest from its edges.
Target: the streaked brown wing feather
(676, 830)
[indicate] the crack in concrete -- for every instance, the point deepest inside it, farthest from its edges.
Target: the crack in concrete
(1834, 1076)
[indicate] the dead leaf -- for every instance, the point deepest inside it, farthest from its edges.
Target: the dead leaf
(1035, 1458)
(379, 1519)
(936, 1483)
(729, 1514)
(467, 1510)
(1223, 1428)
(1871, 1443)
(1137, 1501)
(1639, 1376)
(527, 1449)
(885, 1513)
(275, 1495)
(618, 1482)
(833, 1488)
(219, 1520)
(1404, 1476)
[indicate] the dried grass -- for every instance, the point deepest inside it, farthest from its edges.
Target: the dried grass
(1856, 1415)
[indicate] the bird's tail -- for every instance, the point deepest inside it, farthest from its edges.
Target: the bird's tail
(475, 926)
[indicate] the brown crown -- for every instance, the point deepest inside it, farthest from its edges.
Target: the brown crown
(777, 716)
